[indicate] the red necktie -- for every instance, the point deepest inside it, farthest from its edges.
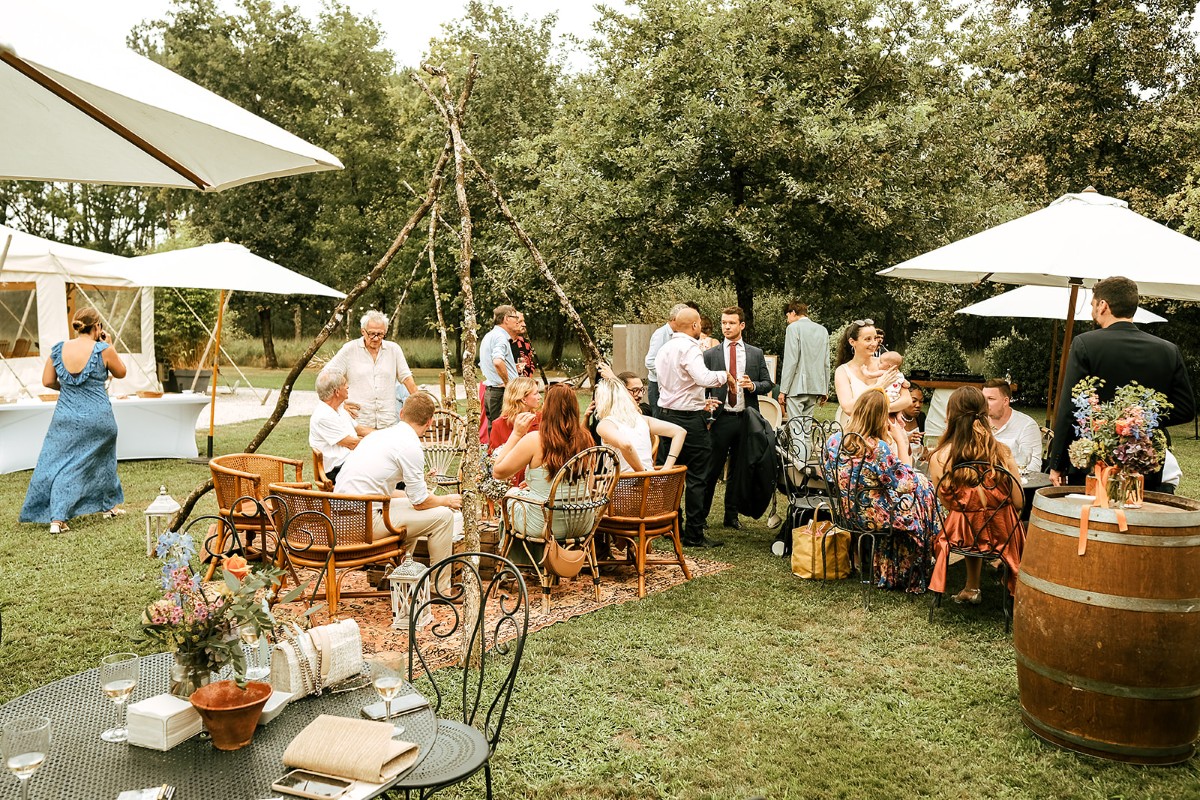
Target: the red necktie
(733, 369)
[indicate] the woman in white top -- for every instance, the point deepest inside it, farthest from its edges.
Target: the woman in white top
(623, 427)
(857, 356)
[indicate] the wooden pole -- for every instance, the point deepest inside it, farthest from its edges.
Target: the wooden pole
(216, 371)
(1066, 348)
(1050, 386)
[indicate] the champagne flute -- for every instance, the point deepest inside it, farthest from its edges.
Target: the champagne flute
(118, 679)
(26, 745)
(256, 669)
(387, 676)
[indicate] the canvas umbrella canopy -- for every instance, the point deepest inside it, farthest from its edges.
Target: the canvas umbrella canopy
(1076, 241)
(226, 267)
(75, 111)
(1043, 302)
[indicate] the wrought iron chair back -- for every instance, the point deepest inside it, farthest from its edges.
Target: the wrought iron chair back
(801, 477)
(491, 615)
(978, 495)
(445, 444)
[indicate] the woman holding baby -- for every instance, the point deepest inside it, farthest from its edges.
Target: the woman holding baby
(861, 370)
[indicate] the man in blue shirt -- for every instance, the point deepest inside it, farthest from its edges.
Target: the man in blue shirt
(496, 360)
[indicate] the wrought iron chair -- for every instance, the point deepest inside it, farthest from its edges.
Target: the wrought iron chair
(975, 500)
(801, 479)
(334, 533)
(849, 499)
(445, 444)
(240, 481)
(645, 507)
(579, 495)
(470, 701)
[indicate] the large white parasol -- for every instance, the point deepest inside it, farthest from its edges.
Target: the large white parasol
(1043, 302)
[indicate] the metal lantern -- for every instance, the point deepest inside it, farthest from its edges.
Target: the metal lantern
(403, 580)
(158, 517)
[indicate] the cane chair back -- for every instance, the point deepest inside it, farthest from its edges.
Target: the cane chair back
(644, 507)
(771, 411)
(445, 445)
(975, 502)
(240, 482)
(334, 533)
(579, 496)
(470, 699)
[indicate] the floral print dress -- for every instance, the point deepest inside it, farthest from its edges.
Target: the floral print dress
(888, 494)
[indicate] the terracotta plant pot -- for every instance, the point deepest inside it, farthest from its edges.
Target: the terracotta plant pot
(230, 714)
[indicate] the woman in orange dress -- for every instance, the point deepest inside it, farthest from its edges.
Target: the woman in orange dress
(974, 516)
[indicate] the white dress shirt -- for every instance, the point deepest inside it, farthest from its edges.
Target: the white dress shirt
(737, 400)
(383, 459)
(1024, 437)
(373, 380)
(682, 376)
(326, 428)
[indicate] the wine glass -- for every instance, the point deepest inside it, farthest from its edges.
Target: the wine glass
(387, 676)
(256, 668)
(26, 745)
(118, 679)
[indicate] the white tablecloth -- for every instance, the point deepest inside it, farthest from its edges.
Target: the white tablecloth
(151, 427)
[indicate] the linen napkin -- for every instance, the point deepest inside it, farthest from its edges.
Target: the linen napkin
(357, 749)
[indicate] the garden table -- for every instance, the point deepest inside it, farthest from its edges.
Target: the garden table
(82, 766)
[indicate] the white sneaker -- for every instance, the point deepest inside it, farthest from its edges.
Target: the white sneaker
(777, 547)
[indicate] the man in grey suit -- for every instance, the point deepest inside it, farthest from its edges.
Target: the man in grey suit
(804, 380)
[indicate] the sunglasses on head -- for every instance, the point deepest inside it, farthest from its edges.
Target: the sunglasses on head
(862, 322)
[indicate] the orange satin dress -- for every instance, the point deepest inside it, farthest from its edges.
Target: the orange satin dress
(973, 521)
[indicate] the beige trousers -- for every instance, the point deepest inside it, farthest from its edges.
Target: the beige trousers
(437, 525)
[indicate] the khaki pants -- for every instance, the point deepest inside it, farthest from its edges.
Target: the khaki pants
(437, 525)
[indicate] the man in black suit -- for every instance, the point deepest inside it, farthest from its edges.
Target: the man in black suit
(1119, 353)
(746, 363)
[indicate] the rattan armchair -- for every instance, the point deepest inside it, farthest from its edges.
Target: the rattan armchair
(334, 533)
(321, 480)
(240, 481)
(645, 507)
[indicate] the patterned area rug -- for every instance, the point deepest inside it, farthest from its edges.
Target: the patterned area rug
(571, 598)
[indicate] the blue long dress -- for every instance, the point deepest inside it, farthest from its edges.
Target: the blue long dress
(76, 471)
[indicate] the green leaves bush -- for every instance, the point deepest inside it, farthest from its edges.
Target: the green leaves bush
(936, 350)
(1026, 359)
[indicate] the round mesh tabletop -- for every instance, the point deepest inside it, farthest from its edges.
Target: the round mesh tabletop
(83, 766)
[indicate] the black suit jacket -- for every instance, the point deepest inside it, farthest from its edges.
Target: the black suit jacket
(1119, 354)
(756, 369)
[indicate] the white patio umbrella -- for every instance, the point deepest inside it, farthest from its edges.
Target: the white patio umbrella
(76, 111)
(226, 267)
(1043, 302)
(1076, 241)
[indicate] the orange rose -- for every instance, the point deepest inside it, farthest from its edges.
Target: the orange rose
(237, 567)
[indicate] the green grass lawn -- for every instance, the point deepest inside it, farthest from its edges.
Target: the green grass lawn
(750, 682)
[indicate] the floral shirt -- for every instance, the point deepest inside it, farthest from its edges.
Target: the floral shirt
(895, 496)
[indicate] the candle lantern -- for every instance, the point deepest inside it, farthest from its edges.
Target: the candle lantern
(158, 518)
(403, 580)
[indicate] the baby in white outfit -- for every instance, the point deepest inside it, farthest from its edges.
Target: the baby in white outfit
(890, 360)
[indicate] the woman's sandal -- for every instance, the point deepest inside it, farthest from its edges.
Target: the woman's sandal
(58, 527)
(114, 512)
(972, 596)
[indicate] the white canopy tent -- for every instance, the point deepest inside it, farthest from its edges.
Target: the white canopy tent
(41, 281)
(1043, 302)
(77, 111)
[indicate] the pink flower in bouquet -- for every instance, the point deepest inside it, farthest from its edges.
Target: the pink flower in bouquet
(1123, 426)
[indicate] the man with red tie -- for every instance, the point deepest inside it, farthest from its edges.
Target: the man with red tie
(746, 364)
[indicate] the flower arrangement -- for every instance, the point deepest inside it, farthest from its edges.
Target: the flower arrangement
(200, 623)
(1123, 432)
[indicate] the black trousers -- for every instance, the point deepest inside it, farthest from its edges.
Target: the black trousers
(725, 436)
(695, 456)
(493, 403)
(652, 398)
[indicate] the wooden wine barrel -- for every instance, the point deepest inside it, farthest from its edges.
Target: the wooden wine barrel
(1108, 643)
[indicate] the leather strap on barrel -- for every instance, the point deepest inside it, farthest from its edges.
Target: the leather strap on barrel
(1103, 472)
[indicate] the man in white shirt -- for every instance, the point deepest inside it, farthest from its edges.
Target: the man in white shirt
(331, 430)
(657, 340)
(373, 367)
(1022, 435)
(496, 359)
(682, 379)
(392, 455)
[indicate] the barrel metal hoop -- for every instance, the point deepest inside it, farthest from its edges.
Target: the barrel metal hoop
(1113, 537)
(1090, 598)
(1108, 688)
(1081, 741)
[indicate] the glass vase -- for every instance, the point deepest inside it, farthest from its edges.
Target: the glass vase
(1133, 489)
(187, 675)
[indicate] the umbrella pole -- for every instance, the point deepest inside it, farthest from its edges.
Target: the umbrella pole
(1050, 385)
(216, 367)
(1066, 348)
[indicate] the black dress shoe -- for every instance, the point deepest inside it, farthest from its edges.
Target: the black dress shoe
(732, 524)
(703, 541)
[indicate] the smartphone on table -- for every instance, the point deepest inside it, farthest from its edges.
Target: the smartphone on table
(302, 783)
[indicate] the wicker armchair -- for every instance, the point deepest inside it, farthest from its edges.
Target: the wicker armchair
(240, 481)
(644, 507)
(334, 533)
(321, 480)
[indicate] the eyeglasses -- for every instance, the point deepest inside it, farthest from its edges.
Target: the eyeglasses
(513, 316)
(637, 391)
(373, 335)
(861, 322)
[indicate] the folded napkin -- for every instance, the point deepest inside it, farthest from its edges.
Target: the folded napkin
(358, 749)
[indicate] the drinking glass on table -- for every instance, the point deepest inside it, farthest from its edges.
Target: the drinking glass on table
(257, 668)
(118, 678)
(387, 676)
(26, 745)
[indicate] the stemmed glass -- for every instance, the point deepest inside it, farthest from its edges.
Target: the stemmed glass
(387, 676)
(26, 745)
(256, 668)
(118, 679)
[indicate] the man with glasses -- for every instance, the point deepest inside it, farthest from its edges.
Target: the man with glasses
(804, 379)
(372, 368)
(637, 390)
(496, 360)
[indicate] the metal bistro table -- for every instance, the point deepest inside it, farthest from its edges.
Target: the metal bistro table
(84, 767)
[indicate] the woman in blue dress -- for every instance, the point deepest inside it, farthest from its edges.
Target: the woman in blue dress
(76, 471)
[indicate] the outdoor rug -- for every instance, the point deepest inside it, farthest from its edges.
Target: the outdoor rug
(571, 598)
